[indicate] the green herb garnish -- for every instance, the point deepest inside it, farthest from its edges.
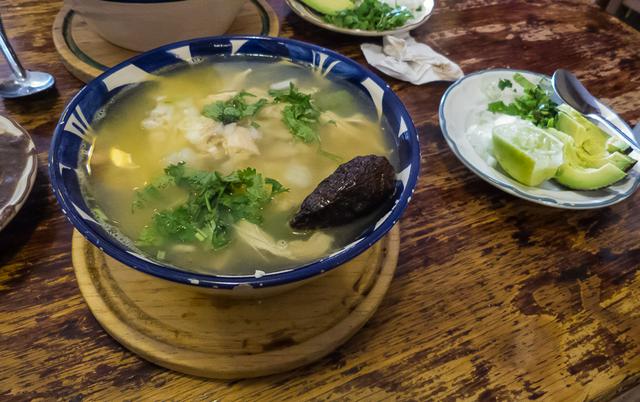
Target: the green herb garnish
(150, 191)
(371, 15)
(215, 202)
(535, 105)
(502, 84)
(300, 115)
(234, 109)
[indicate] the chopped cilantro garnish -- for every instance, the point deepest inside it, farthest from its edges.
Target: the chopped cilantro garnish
(502, 84)
(300, 115)
(234, 109)
(151, 191)
(523, 82)
(535, 105)
(214, 203)
(371, 15)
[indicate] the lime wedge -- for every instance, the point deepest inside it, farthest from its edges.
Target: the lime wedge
(526, 152)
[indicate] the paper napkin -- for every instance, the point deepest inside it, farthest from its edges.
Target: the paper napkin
(404, 58)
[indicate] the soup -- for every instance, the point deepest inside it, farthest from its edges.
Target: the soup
(203, 167)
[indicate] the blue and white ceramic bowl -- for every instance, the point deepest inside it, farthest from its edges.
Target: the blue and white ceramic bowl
(469, 95)
(68, 153)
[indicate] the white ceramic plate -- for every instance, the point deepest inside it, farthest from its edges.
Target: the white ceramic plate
(467, 95)
(315, 18)
(17, 169)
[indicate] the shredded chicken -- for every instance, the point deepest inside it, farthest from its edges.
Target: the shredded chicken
(239, 139)
(298, 175)
(219, 96)
(207, 137)
(160, 116)
(318, 244)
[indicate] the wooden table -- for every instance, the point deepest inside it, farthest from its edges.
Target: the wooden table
(495, 298)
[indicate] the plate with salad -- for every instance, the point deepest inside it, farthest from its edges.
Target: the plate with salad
(509, 128)
(364, 17)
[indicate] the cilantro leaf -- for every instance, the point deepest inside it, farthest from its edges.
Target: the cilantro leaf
(501, 107)
(300, 115)
(534, 105)
(523, 82)
(214, 204)
(502, 84)
(150, 191)
(234, 109)
(371, 15)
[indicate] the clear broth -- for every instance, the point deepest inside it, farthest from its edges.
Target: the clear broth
(141, 154)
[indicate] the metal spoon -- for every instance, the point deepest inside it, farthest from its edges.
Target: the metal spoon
(23, 82)
(571, 90)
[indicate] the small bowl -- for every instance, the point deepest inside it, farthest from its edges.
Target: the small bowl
(141, 25)
(67, 153)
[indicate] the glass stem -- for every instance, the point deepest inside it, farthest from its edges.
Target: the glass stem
(8, 53)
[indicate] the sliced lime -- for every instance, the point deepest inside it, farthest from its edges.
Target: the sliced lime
(526, 152)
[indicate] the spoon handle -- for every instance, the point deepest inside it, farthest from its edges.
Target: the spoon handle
(9, 54)
(612, 129)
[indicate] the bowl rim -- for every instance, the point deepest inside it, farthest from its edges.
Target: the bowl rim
(282, 277)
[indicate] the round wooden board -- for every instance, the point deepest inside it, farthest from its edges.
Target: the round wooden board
(210, 336)
(86, 55)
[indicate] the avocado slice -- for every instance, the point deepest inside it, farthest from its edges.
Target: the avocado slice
(593, 159)
(617, 159)
(584, 178)
(586, 135)
(329, 7)
(578, 156)
(583, 171)
(616, 144)
(563, 137)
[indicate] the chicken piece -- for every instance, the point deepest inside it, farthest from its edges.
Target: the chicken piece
(239, 139)
(315, 246)
(220, 96)
(159, 117)
(298, 175)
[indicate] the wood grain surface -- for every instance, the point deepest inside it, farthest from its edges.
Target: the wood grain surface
(182, 328)
(494, 298)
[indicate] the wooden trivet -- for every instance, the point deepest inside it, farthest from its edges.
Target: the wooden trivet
(196, 333)
(86, 55)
